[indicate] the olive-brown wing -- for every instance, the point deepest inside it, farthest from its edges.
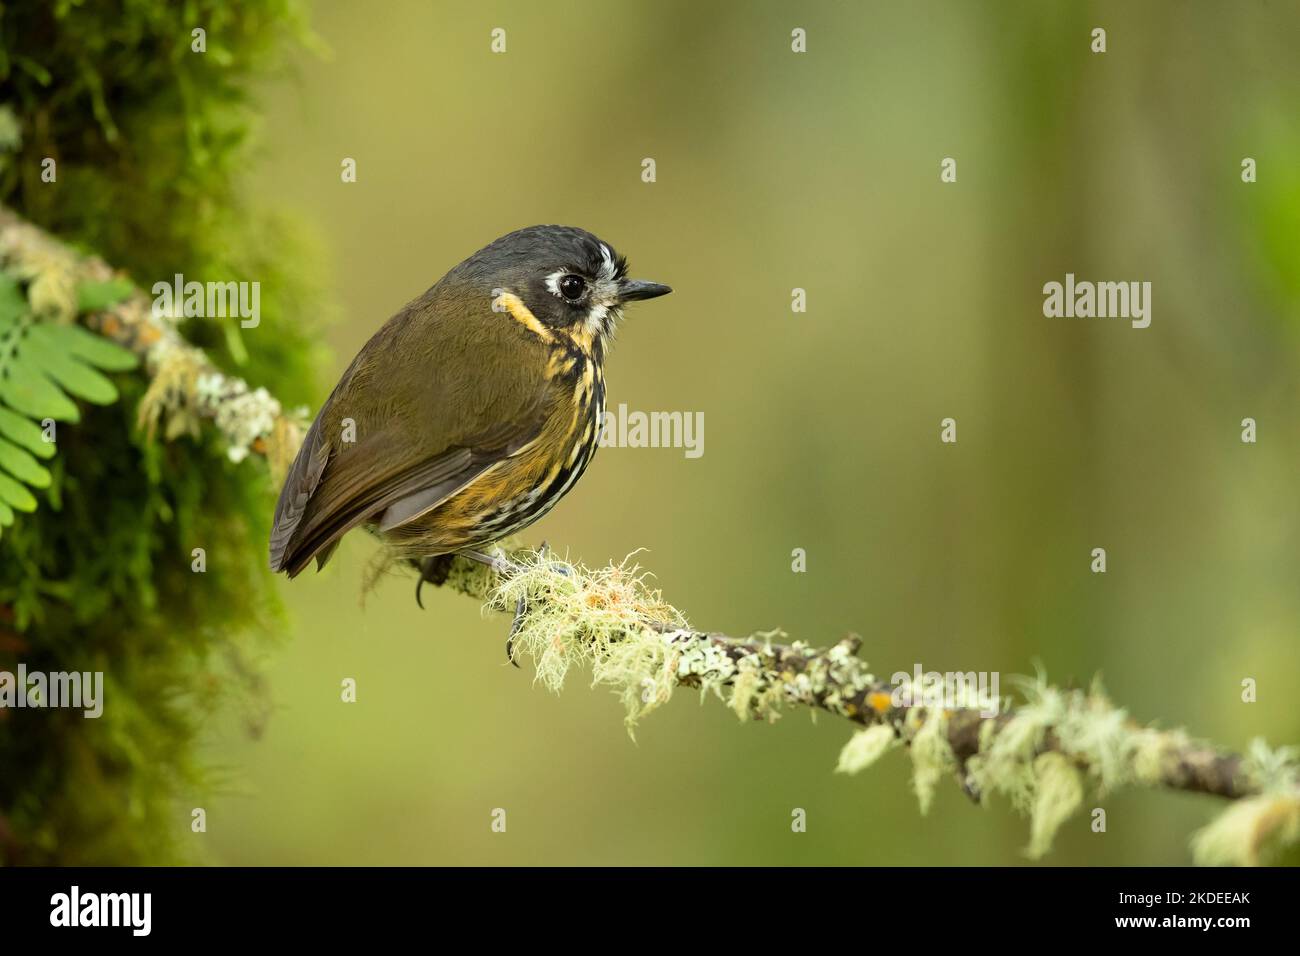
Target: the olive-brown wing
(434, 399)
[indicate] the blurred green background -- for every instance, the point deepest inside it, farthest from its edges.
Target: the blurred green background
(819, 171)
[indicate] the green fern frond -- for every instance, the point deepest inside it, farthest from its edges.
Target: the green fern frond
(44, 367)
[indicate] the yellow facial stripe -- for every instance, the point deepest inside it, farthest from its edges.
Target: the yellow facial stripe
(521, 314)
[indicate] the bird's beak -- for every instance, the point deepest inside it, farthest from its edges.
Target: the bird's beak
(630, 290)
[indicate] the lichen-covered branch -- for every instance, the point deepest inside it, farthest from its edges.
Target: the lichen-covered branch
(1045, 754)
(186, 387)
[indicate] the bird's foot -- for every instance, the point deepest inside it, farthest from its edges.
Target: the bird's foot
(521, 605)
(503, 566)
(435, 570)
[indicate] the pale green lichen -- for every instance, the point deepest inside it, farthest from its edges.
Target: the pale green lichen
(1274, 770)
(1005, 762)
(1058, 792)
(613, 622)
(1249, 832)
(842, 695)
(185, 389)
(642, 671)
(1091, 726)
(601, 619)
(1255, 829)
(1096, 744)
(1148, 753)
(866, 747)
(932, 756)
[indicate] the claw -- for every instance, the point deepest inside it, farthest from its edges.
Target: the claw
(433, 570)
(427, 569)
(561, 568)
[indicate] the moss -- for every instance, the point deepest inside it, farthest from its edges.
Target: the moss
(149, 140)
(104, 582)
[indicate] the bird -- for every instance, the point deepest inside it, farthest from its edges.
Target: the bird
(470, 413)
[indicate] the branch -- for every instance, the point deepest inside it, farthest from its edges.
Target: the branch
(1044, 753)
(186, 388)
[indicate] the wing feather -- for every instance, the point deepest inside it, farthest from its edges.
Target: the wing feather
(438, 395)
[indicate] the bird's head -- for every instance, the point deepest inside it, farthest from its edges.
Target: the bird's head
(564, 278)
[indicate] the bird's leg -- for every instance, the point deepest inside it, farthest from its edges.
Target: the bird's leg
(497, 562)
(435, 568)
(521, 605)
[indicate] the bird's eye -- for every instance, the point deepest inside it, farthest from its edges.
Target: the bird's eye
(572, 287)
